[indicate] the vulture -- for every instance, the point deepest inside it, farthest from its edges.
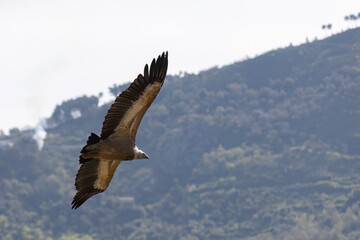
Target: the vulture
(102, 154)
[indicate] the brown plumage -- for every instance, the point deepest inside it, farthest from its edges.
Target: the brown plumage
(101, 155)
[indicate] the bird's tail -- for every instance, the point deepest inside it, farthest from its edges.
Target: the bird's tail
(93, 139)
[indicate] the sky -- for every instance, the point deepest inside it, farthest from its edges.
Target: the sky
(51, 51)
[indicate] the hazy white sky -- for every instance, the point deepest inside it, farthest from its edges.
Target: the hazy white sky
(52, 51)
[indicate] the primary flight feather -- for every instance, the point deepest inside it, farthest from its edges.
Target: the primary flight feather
(101, 155)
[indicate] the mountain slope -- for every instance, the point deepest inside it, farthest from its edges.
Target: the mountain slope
(260, 149)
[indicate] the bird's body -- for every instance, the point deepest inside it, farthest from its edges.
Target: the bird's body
(109, 149)
(101, 155)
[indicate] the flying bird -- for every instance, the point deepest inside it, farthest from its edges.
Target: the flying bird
(102, 154)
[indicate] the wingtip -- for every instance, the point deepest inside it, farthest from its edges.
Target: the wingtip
(164, 55)
(159, 66)
(146, 72)
(75, 204)
(164, 58)
(80, 198)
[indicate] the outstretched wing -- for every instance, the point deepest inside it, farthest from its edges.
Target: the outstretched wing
(125, 114)
(92, 178)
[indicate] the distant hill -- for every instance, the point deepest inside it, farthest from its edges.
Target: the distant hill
(267, 148)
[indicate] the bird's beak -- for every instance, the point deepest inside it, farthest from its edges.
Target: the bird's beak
(146, 156)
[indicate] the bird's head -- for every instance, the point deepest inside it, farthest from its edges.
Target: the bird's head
(138, 154)
(143, 156)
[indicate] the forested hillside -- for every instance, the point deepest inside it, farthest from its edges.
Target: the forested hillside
(266, 148)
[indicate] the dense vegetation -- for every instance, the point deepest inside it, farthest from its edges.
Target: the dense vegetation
(267, 148)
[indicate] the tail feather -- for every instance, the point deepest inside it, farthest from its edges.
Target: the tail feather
(93, 139)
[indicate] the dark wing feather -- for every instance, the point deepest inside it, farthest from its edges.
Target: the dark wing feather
(125, 114)
(92, 178)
